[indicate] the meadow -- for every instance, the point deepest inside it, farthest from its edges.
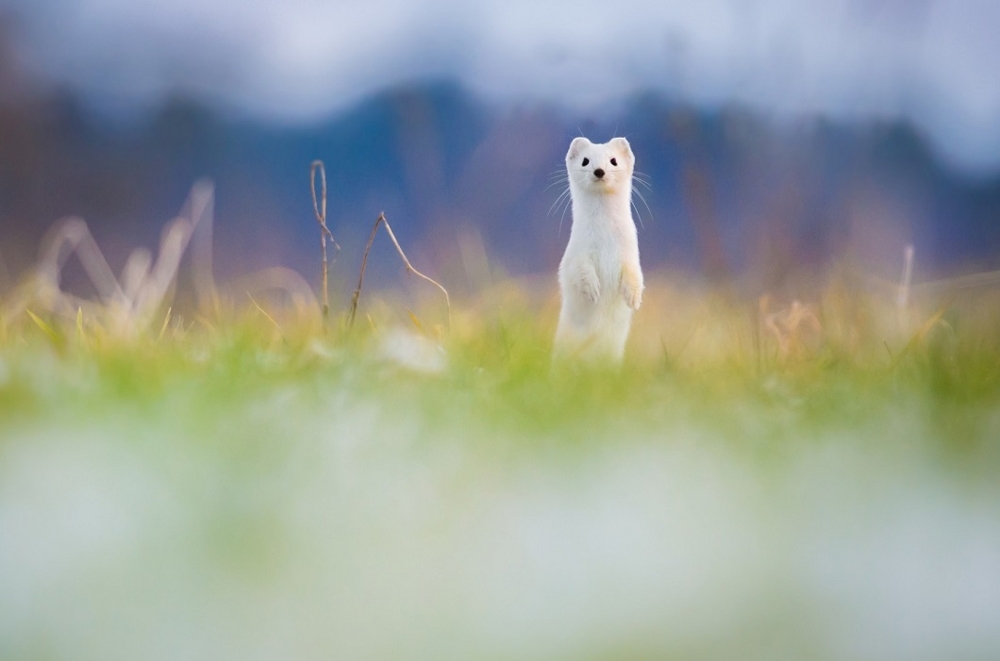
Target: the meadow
(763, 478)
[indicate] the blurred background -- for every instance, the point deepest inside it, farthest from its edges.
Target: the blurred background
(777, 134)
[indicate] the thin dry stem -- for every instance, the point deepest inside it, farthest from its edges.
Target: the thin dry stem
(381, 220)
(361, 275)
(269, 318)
(319, 208)
(163, 327)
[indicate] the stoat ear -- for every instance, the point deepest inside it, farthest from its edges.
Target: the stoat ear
(576, 147)
(623, 145)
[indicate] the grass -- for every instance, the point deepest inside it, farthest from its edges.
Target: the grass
(705, 358)
(251, 485)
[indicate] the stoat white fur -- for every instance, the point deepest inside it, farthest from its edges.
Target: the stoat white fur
(600, 280)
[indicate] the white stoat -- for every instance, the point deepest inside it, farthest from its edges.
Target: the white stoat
(599, 276)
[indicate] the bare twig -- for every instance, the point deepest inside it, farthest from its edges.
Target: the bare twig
(381, 220)
(319, 208)
(361, 275)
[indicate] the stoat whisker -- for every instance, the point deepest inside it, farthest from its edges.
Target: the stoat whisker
(645, 204)
(564, 180)
(637, 214)
(562, 196)
(567, 203)
(642, 178)
(563, 202)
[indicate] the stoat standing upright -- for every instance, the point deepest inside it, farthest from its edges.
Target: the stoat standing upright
(600, 280)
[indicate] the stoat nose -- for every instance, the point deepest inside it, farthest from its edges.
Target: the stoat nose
(599, 173)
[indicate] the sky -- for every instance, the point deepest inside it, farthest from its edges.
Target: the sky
(931, 61)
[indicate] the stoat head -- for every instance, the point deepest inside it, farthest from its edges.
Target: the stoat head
(604, 169)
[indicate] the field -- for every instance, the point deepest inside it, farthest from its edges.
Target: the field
(236, 476)
(761, 479)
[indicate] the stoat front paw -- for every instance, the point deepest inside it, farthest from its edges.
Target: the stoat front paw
(589, 286)
(632, 288)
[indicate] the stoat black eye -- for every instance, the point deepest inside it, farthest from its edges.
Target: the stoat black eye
(586, 161)
(614, 161)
